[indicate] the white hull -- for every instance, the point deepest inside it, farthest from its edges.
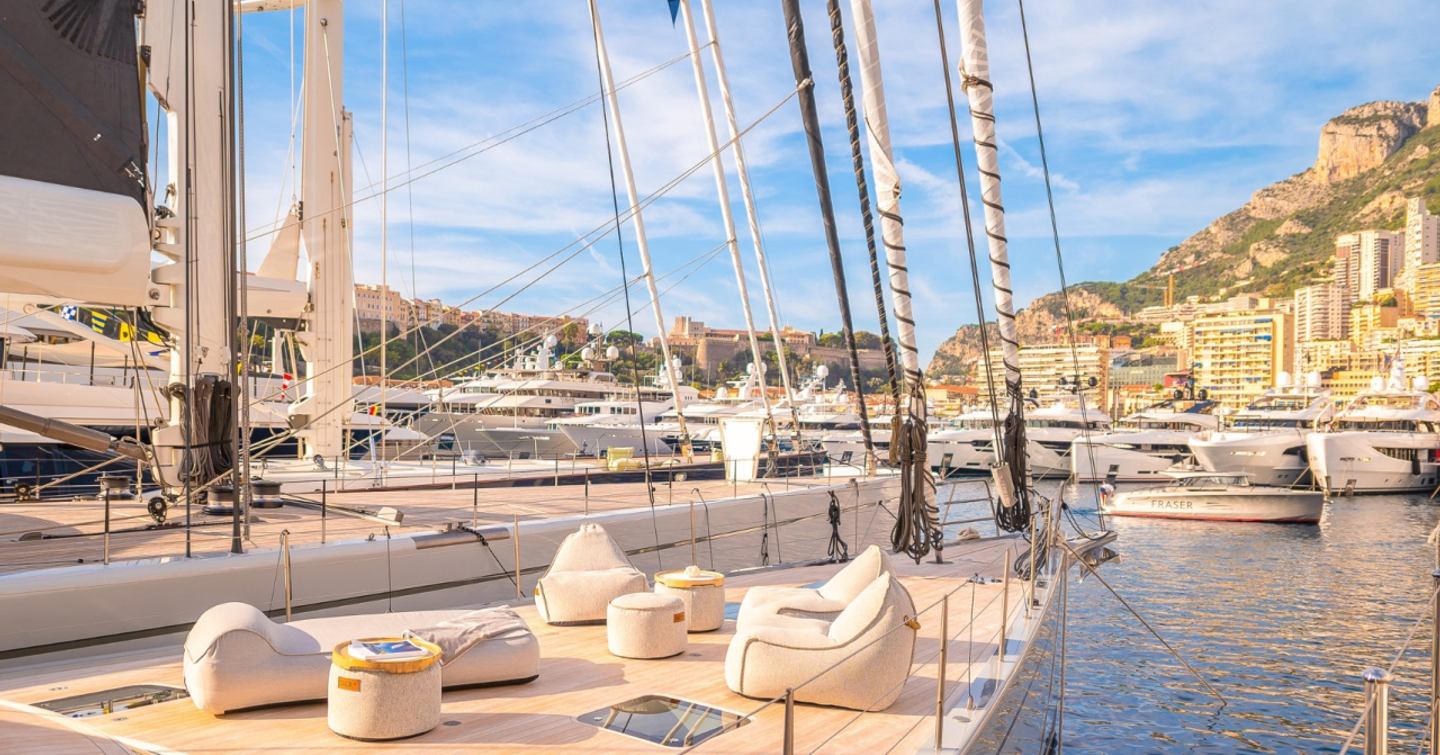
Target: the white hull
(1366, 462)
(1244, 504)
(132, 598)
(1099, 462)
(593, 440)
(1267, 458)
(1047, 451)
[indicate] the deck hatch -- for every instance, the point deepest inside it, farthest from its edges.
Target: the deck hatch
(109, 701)
(662, 720)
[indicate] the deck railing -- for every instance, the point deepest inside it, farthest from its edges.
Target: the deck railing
(938, 610)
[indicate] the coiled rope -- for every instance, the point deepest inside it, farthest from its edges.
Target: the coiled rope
(838, 551)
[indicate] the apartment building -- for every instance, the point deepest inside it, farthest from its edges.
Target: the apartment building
(1239, 356)
(1043, 367)
(1368, 261)
(1422, 241)
(1321, 313)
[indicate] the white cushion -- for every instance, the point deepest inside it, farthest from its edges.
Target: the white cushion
(864, 654)
(588, 571)
(772, 604)
(646, 625)
(236, 657)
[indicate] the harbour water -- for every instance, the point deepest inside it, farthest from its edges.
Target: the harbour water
(1282, 619)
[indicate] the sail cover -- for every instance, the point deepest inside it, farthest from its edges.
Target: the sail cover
(71, 95)
(73, 219)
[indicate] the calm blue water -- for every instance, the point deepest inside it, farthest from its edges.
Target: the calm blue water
(1281, 618)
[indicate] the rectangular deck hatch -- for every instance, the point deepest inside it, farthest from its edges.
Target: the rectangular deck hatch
(115, 700)
(667, 721)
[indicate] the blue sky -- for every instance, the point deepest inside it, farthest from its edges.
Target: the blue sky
(1158, 117)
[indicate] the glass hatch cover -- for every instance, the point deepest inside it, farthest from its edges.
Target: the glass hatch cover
(662, 720)
(113, 700)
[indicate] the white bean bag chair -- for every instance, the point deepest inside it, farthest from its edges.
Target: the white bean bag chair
(766, 659)
(589, 570)
(236, 657)
(772, 604)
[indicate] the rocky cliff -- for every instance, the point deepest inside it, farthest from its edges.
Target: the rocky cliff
(1370, 158)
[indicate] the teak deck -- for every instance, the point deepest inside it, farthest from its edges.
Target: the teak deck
(577, 676)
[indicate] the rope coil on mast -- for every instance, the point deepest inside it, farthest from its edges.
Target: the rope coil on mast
(917, 527)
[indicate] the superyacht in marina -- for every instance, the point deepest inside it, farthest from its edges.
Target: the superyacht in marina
(1142, 446)
(234, 626)
(1387, 440)
(1266, 441)
(967, 446)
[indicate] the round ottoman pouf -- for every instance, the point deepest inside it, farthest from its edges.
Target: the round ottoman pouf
(378, 699)
(703, 593)
(645, 625)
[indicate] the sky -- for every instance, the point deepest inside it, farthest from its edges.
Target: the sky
(1158, 117)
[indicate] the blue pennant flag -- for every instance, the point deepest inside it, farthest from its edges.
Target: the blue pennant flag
(674, 11)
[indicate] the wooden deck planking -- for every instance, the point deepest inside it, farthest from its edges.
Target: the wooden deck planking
(577, 675)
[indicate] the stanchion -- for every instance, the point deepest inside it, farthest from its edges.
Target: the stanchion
(1435, 664)
(289, 585)
(1377, 722)
(940, 671)
(789, 748)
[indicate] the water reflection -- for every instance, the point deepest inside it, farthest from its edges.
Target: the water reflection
(1281, 618)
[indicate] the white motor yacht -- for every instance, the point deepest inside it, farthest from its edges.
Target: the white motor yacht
(1142, 446)
(1050, 432)
(1266, 440)
(1218, 497)
(1385, 441)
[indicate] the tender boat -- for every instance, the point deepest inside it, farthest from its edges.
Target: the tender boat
(1266, 440)
(1218, 497)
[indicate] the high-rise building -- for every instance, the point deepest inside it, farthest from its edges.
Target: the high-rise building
(1043, 367)
(1422, 240)
(1321, 313)
(1371, 260)
(1240, 355)
(1425, 297)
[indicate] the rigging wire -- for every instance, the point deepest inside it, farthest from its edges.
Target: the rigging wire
(499, 139)
(625, 277)
(1059, 258)
(969, 232)
(862, 186)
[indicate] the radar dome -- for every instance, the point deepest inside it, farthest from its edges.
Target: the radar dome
(551, 341)
(612, 353)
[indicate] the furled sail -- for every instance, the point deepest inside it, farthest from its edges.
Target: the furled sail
(73, 222)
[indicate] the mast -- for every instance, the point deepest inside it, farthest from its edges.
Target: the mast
(1011, 475)
(752, 216)
(385, 210)
(638, 221)
(809, 117)
(917, 528)
(328, 342)
(722, 190)
(188, 73)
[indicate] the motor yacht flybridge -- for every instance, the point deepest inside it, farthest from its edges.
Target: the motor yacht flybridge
(1141, 446)
(968, 445)
(1386, 440)
(1266, 441)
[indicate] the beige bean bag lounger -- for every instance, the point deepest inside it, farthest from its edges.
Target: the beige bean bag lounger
(589, 570)
(767, 604)
(236, 657)
(869, 665)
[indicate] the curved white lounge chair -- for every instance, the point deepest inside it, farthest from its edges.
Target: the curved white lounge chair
(765, 604)
(867, 650)
(589, 570)
(236, 657)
